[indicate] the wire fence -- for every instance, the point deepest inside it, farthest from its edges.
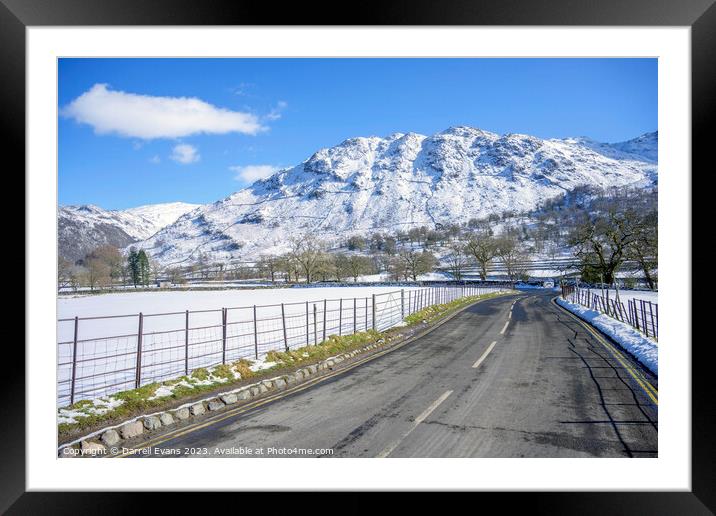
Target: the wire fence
(98, 356)
(641, 314)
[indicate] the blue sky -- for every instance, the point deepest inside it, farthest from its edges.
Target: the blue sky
(143, 131)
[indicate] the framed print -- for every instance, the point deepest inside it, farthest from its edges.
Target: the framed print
(425, 248)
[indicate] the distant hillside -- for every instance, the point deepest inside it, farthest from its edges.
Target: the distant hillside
(398, 182)
(83, 228)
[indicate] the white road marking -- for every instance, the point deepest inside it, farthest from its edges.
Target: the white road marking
(502, 331)
(484, 355)
(422, 417)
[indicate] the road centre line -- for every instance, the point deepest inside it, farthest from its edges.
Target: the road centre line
(283, 394)
(484, 355)
(422, 417)
(502, 331)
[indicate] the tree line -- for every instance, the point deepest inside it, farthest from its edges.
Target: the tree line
(106, 267)
(604, 230)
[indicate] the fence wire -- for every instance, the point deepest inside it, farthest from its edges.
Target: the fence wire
(98, 356)
(640, 314)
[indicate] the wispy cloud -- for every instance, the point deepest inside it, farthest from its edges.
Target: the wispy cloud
(277, 111)
(184, 153)
(155, 159)
(251, 173)
(147, 117)
(243, 89)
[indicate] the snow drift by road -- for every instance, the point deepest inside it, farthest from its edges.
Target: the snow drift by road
(644, 349)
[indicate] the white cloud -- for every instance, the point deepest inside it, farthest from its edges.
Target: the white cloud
(148, 117)
(251, 173)
(155, 159)
(277, 111)
(185, 153)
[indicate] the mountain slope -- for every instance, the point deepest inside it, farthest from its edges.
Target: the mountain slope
(398, 182)
(83, 228)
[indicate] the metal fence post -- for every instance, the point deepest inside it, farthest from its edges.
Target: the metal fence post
(374, 323)
(283, 324)
(74, 362)
(653, 326)
(308, 331)
(315, 327)
(340, 317)
(354, 316)
(402, 303)
(325, 304)
(223, 335)
(186, 344)
(138, 375)
(256, 336)
(366, 314)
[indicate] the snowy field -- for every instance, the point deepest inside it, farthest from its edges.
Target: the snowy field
(168, 301)
(253, 323)
(624, 295)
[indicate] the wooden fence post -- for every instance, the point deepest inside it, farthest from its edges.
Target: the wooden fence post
(74, 362)
(138, 374)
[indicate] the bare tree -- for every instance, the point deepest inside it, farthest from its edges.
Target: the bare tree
(308, 255)
(96, 273)
(357, 266)
(416, 263)
(114, 260)
(64, 273)
(155, 270)
(644, 249)
(602, 240)
(325, 266)
(483, 248)
(269, 265)
(513, 255)
(456, 260)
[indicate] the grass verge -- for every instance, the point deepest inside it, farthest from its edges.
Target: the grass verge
(88, 415)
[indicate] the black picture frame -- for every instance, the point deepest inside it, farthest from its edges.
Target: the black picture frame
(700, 15)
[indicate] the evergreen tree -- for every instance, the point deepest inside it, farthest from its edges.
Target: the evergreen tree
(143, 266)
(133, 265)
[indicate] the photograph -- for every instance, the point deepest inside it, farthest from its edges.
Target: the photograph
(357, 257)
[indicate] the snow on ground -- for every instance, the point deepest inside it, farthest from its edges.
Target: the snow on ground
(644, 349)
(624, 295)
(107, 346)
(170, 301)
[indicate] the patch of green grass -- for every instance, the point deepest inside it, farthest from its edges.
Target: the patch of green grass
(200, 374)
(137, 400)
(435, 312)
(242, 367)
(223, 371)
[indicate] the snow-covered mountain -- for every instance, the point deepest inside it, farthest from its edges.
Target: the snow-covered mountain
(398, 182)
(82, 228)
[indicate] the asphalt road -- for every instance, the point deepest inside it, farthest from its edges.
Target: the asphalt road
(495, 381)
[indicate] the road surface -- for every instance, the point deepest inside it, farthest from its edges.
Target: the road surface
(513, 376)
